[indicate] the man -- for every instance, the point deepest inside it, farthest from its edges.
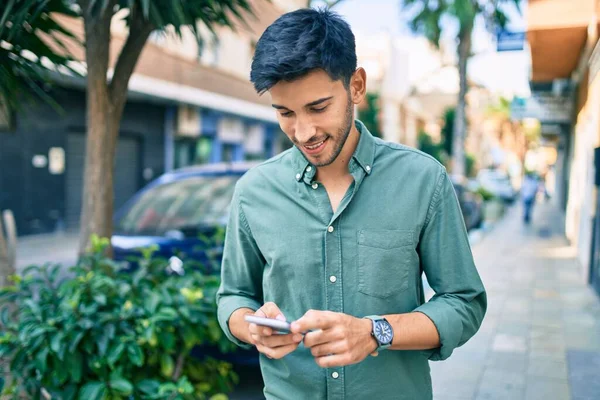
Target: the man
(339, 228)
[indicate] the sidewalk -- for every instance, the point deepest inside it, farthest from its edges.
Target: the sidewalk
(58, 248)
(541, 335)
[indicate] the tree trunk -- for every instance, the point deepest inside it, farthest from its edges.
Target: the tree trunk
(6, 268)
(99, 153)
(105, 104)
(460, 119)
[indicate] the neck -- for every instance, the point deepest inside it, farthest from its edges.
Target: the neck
(339, 167)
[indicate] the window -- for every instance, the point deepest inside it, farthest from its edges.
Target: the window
(194, 151)
(208, 51)
(187, 205)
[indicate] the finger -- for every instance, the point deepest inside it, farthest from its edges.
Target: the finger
(270, 310)
(259, 330)
(331, 348)
(319, 337)
(313, 320)
(336, 360)
(278, 352)
(278, 340)
(282, 340)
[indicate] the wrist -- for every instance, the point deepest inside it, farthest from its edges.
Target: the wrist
(238, 326)
(370, 342)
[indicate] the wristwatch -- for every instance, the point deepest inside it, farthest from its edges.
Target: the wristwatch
(382, 331)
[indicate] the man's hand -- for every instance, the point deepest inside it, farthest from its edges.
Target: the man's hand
(336, 339)
(266, 341)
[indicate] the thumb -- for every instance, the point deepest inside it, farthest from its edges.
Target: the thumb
(270, 310)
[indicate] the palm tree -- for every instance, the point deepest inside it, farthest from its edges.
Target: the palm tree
(30, 37)
(427, 20)
(106, 97)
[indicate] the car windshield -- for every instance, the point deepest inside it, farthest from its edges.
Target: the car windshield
(184, 205)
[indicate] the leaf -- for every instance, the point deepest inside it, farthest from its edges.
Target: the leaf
(40, 360)
(75, 366)
(166, 365)
(134, 351)
(149, 386)
(115, 354)
(55, 342)
(76, 341)
(151, 302)
(92, 391)
(121, 385)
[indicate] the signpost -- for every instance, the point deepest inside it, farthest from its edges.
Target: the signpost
(510, 41)
(545, 107)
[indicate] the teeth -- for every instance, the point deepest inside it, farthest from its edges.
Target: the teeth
(314, 146)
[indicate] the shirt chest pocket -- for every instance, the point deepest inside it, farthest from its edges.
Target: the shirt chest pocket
(384, 260)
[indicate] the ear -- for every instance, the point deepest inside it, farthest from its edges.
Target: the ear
(358, 85)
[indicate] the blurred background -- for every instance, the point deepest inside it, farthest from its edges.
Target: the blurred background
(133, 120)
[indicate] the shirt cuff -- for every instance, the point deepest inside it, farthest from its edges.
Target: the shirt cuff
(448, 325)
(227, 306)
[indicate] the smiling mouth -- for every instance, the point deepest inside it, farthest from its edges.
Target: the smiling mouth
(315, 146)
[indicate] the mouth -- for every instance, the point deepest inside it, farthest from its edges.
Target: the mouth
(315, 148)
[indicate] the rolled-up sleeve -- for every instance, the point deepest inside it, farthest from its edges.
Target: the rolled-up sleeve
(459, 304)
(241, 270)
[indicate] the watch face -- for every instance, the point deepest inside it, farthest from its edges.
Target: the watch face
(383, 332)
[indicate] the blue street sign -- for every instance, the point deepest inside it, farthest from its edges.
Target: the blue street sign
(510, 41)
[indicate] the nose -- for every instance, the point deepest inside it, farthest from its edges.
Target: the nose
(304, 130)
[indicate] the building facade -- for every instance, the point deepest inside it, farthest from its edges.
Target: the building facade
(565, 53)
(189, 103)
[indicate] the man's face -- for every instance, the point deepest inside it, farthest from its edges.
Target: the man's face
(316, 113)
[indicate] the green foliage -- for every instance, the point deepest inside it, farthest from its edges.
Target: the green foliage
(106, 333)
(426, 145)
(23, 26)
(426, 15)
(448, 130)
(486, 195)
(471, 160)
(370, 114)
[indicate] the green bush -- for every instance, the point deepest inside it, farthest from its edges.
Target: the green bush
(104, 333)
(486, 195)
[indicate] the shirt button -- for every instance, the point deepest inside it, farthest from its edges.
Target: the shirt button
(298, 176)
(315, 186)
(308, 168)
(368, 168)
(330, 229)
(332, 279)
(335, 375)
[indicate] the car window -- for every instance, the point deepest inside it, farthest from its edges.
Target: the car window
(188, 203)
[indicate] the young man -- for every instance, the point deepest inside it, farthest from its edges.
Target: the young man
(336, 232)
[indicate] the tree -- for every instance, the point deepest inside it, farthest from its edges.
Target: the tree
(427, 18)
(369, 114)
(448, 130)
(30, 37)
(106, 98)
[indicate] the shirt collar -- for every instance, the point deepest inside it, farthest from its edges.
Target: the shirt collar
(364, 155)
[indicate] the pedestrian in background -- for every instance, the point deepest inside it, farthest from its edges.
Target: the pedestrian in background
(529, 190)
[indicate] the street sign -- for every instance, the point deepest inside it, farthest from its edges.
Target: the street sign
(545, 107)
(510, 41)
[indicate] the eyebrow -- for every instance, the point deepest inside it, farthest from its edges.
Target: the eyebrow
(311, 104)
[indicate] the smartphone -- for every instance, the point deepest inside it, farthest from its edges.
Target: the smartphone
(275, 324)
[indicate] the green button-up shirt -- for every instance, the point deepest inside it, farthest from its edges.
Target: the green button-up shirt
(399, 219)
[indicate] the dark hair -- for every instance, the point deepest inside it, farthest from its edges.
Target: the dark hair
(302, 41)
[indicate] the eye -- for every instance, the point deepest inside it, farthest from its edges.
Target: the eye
(318, 110)
(286, 114)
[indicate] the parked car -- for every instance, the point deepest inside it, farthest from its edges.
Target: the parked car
(498, 183)
(181, 212)
(471, 203)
